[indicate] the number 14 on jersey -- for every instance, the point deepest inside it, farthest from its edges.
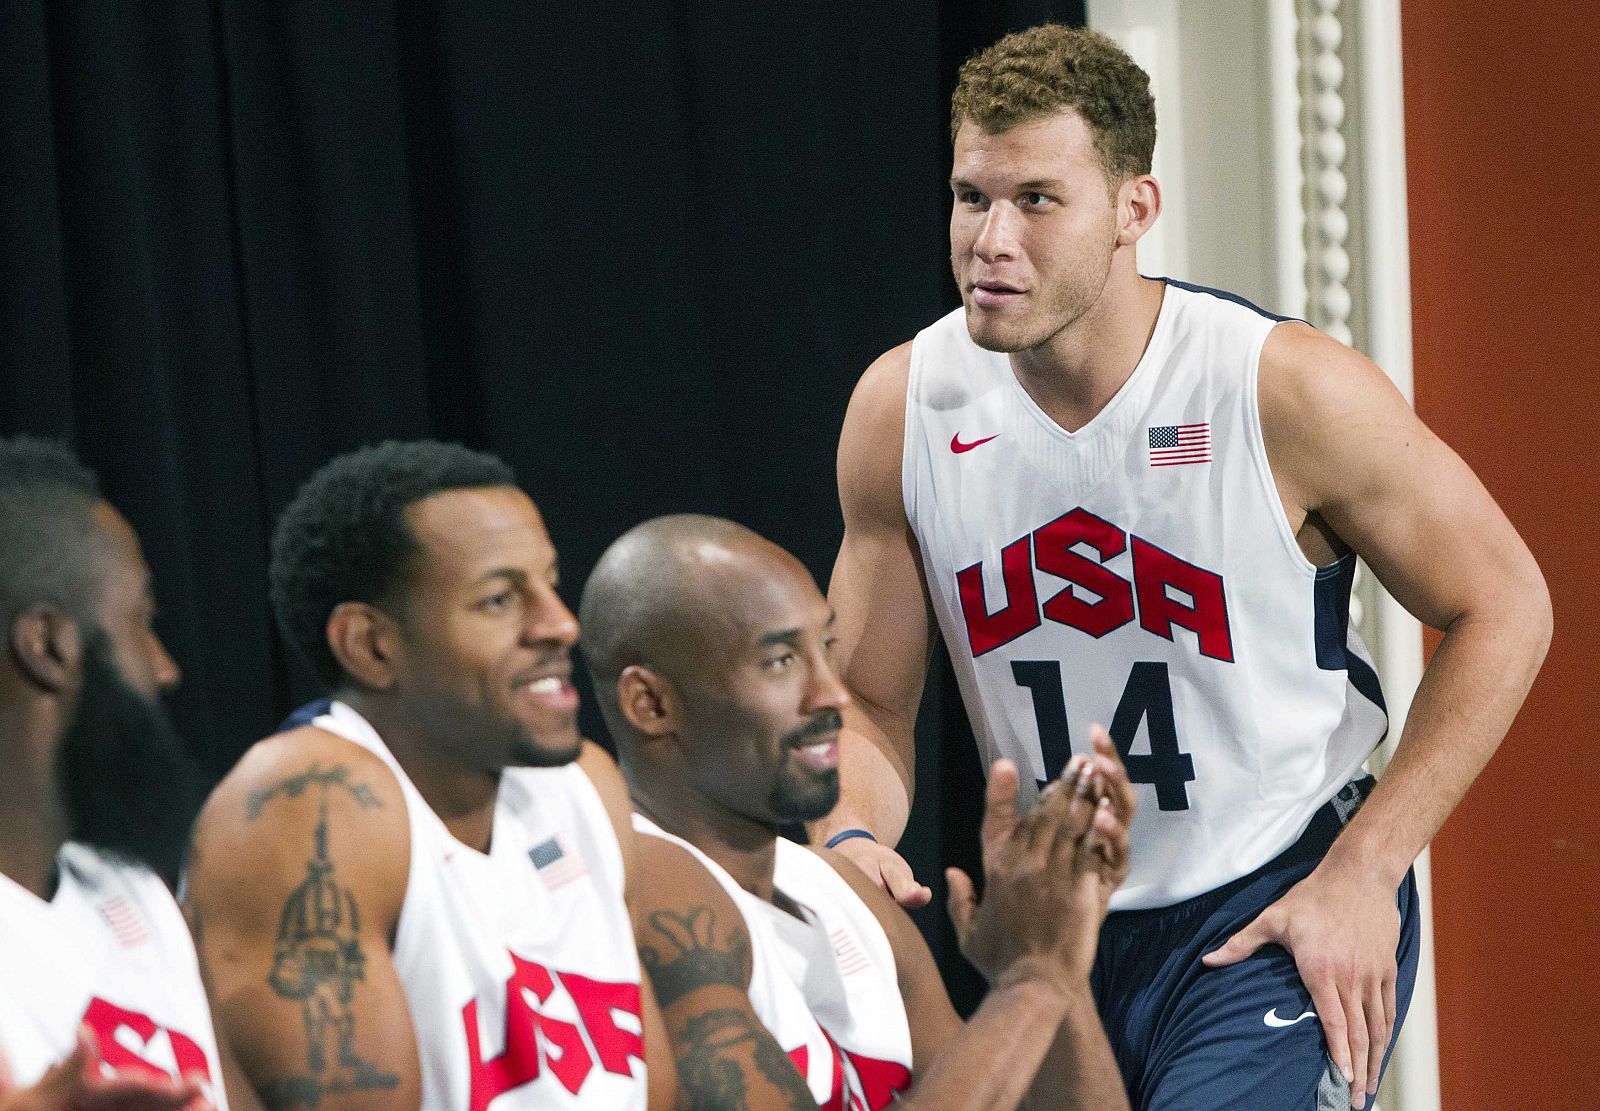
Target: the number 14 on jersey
(1147, 698)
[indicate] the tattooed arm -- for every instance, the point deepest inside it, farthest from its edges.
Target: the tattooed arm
(602, 772)
(694, 947)
(298, 873)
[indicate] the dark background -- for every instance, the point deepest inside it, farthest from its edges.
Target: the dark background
(640, 251)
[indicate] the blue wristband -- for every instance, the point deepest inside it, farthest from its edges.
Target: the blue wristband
(846, 834)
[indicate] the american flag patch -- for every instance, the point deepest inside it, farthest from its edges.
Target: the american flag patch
(124, 921)
(558, 865)
(851, 958)
(1172, 445)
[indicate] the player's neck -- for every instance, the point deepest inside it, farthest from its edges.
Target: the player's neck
(461, 796)
(1076, 373)
(33, 816)
(747, 850)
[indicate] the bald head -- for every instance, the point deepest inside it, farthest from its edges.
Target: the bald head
(711, 650)
(669, 592)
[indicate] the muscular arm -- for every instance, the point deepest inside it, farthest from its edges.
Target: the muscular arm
(693, 945)
(602, 772)
(298, 873)
(1345, 447)
(1354, 466)
(885, 626)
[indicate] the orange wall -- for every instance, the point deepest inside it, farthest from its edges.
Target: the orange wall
(1503, 167)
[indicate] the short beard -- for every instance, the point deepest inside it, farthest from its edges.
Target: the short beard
(527, 752)
(131, 790)
(806, 798)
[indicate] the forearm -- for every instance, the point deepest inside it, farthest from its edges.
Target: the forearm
(876, 778)
(1079, 1071)
(990, 1063)
(1468, 697)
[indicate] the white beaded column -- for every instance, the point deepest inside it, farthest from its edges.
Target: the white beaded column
(1329, 261)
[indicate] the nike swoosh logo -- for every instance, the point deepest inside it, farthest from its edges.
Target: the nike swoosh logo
(958, 447)
(1271, 1018)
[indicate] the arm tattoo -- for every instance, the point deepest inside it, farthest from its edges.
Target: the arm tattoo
(710, 1069)
(690, 955)
(295, 785)
(318, 962)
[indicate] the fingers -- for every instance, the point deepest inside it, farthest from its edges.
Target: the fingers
(1330, 1013)
(962, 901)
(1000, 805)
(1355, 1024)
(897, 878)
(1109, 843)
(1113, 776)
(888, 868)
(1240, 945)
(1377, 1034)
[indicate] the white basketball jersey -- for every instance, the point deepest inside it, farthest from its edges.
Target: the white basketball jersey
(110, 950)
(1140, 572)
(519, 966)
(826, 988)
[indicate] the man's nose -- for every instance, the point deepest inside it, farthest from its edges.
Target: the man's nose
(997, 234)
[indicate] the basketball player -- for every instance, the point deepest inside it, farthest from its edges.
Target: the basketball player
(101, 1003)
(1131, 500)
(414, 897)
(786, 977)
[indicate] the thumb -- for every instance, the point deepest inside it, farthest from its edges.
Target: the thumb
(962, 902)
(1239, 946)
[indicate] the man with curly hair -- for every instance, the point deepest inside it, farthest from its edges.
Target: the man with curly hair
(1131, 500)
(415, 894)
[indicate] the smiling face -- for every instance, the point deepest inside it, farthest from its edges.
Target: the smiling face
(485, 641)
(1033, 228)
(761, 703)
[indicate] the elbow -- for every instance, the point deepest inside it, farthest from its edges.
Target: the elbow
(1541, 619)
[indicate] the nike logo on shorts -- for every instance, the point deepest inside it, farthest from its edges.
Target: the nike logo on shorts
(1271, 1018)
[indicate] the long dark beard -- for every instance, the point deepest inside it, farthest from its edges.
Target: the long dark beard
(130, 788)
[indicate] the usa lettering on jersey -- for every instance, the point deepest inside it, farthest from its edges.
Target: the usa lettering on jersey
(1201, 604)
(537, 1042)
(877, 1082)
(116, 1027)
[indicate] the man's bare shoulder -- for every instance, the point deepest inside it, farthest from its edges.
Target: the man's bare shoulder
(685, 910)
(264, 811)
(1330, 417)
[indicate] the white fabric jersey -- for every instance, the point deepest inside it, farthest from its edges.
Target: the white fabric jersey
(1141, 573)
(519, 966)
(110, 950)
(826, 988)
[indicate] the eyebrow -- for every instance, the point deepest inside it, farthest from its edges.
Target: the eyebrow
(1037, 185)
(780, 636)
(515, 574)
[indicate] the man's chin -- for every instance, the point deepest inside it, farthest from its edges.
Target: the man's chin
(547, 751)
(808, 802)
(1001, 337)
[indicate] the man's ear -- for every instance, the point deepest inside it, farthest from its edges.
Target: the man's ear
(365, 641)
(1138, 205)
(647, 701)
(47, 645)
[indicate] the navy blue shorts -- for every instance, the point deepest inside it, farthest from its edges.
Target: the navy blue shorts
(1191, 1038)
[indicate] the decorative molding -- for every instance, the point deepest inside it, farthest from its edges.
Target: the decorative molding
(1328, 276)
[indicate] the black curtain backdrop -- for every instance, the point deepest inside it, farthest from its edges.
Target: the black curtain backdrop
(640, 251)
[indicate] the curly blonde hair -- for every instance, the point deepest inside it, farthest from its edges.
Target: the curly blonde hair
(1046, 69)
